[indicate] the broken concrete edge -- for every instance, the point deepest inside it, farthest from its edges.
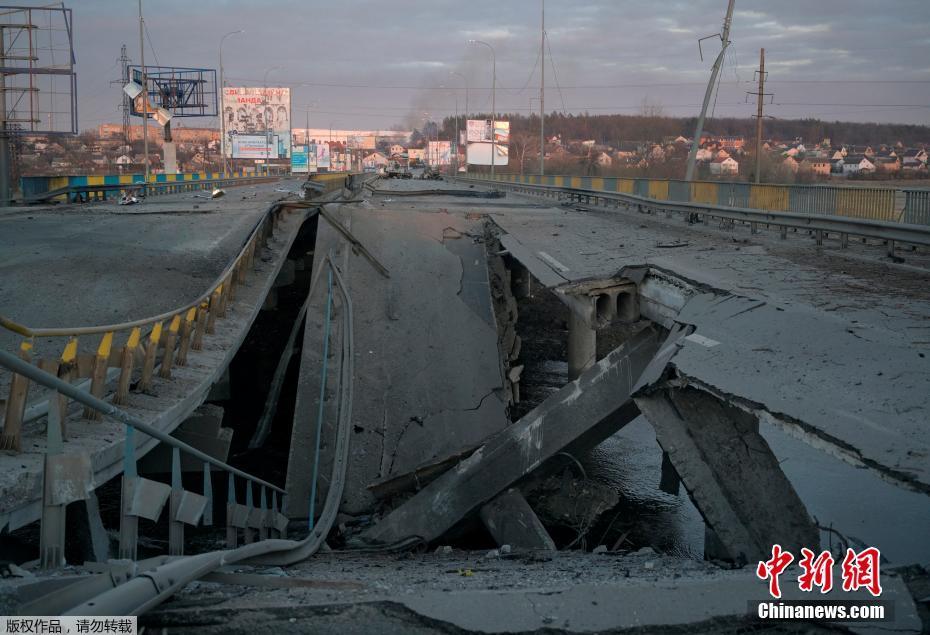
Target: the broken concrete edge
(812, 436)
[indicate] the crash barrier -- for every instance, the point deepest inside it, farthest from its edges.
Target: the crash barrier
(150, 347)
(873, 203)
(821, 225)
(102, 187)
(67, 476)
(166, 338)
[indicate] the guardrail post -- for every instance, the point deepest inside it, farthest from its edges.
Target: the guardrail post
(248, 535)
(233, 282)
(891, 245)
(175, 526)
(128, 524)
(784, 232)
(52, 525)
(208, 494)
(126, 361)
(11, 439)
(148, 364)
(224, 298)
(818, 236)
(263, 530)
(185, 343)
(844, 240)
(232, 533)
(214, 308)
(200, 327)
(221, 300)
(167, 360)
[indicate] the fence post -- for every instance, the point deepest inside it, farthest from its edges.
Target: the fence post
(175, 526)
(126, 361)
(148, 364)
(167, 360)
(185, 344)
(52, 525)
(200, 327)
(249, 532)
(232, 534)
(128, 524)
(11, 439)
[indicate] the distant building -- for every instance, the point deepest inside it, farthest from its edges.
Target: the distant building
(856, 163)
(816, 165)
(724, 167)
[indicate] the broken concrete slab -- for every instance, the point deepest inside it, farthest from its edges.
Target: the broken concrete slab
(733, 477)
(599, 399)
(511, 521)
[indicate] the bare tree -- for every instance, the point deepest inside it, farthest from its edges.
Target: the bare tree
(522, 142)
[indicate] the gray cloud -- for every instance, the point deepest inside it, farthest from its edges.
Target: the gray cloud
(825, 56)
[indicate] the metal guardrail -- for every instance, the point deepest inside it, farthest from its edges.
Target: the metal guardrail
(68, 477)
(822, 224)
(101, 187)
(875, 203)
(164, 339)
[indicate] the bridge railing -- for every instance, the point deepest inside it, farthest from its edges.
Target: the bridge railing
(68, 475)
(100, 187)
(143, 346)
(875, 203)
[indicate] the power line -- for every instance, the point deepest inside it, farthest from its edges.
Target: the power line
(555, 74)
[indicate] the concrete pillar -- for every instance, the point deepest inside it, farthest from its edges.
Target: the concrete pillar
(582, 345)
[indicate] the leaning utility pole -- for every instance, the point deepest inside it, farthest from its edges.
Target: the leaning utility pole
(145, 99)
(542, 93)
(699, 129)
(759, 99)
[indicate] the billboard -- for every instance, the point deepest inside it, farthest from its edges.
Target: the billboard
(322, 155)
(258, 112)
(439, 153)
(249, 146)
(299, 160)
(479, 131)
(480, 154)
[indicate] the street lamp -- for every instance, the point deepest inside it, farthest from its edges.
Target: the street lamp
(493, 96)
(222, 112)
(265, 117)
(464, 79)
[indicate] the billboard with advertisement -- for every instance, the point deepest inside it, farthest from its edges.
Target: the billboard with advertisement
(439, 153)
(479, 131)
(299, 160)
(322, 155)
(248, 146)
(258, 112)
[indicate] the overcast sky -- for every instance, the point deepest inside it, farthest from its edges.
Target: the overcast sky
(368, 63)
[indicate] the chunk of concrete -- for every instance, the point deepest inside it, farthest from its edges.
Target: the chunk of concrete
(511, 521)
(730, 472)
(598, 401)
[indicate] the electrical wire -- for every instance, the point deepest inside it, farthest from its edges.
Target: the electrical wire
(555, 73)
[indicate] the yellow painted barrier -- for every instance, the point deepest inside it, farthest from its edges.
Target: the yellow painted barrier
(625, 186)
(658, 190)
(773, 198)
(597, 183)
(866, 203)
(702, 192)
(576, 181)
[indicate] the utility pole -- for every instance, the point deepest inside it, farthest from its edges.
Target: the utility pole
(6, 161)
(760, 100)
(699, 129)
(542, 93)
(145, 99)
(222, 97)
